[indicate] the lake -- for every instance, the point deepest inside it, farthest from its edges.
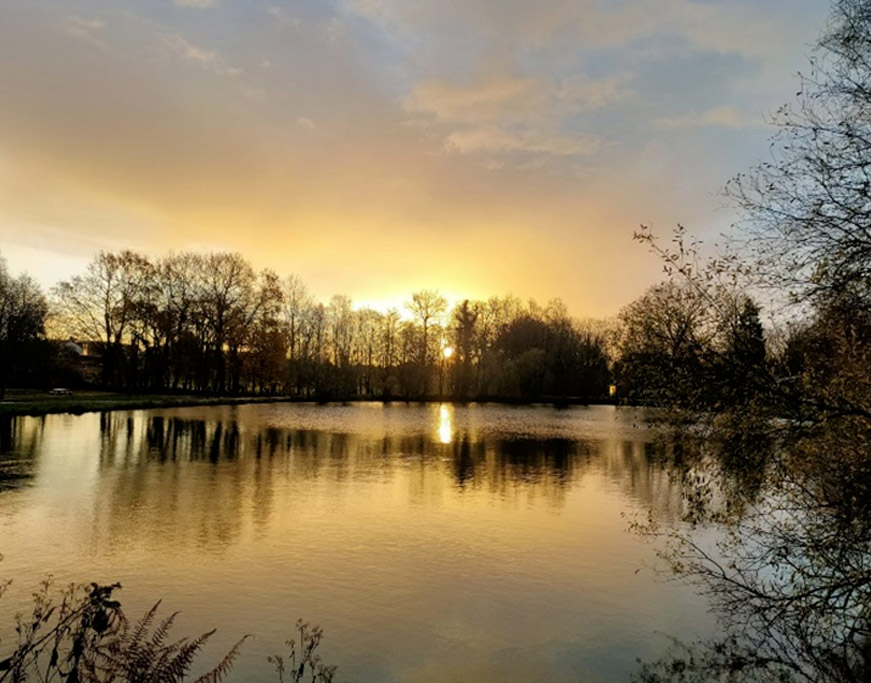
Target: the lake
(476, 543)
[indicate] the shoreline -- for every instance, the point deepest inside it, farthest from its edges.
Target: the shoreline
(37, 404)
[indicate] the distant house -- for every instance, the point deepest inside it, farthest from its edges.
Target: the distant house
(93, 349)
(71, 347)
(78, 363)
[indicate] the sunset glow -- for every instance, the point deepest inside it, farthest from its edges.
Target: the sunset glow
(379, 147)
(492, 340)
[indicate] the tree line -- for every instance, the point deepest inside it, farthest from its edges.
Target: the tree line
(209, 323)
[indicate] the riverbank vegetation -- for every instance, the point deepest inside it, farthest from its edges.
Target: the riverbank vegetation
(784, 474)
(81, 635)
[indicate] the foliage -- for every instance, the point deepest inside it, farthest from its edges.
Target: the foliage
(696, 340)
(545, 354)
(786, 477)
(83, 636)
(100, 305)
(303, 658)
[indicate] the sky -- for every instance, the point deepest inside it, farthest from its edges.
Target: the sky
(378, 147)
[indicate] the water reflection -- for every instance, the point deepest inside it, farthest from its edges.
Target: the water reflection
(425, 536)
(222, 473)
(446, 426)
(20, 442)
(474, 458)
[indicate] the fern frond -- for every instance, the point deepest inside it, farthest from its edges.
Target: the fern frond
(217, 674)
(159, 634)
(179, 665)
(144, 623)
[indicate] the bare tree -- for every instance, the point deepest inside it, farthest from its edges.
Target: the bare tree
(427, 306)
(101, 304)
(297, 302)
(228, 300)
(808, 209)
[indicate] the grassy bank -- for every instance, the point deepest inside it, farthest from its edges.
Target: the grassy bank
(44, 403)
(36, 403)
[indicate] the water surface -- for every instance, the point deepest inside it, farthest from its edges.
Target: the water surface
(474, 543)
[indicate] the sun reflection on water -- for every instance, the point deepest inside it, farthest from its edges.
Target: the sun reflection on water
(446, 423)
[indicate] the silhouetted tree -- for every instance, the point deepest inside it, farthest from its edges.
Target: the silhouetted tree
(297, 302)
(176, 308)
(210, 323)
(229, 304)
(823, 367)
(23, 310)
(465, 320)
(427, 306)
(495, 314)
(366, 341)
(389, 352)
(523, 342)
(266, 344)
(664, 342)
(790, 579)
(808, 209)
(340, 317)
(742, 366)
(100, 305)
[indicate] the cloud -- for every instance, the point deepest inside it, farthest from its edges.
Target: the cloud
(581, 94)
(335, 29)
(281, 18)
(514, 115)
(497, 99)
(379, 141)
(83, 29)
(723, 117)
(205, 59)
(727, 26)
(199, 4)
(497, 140)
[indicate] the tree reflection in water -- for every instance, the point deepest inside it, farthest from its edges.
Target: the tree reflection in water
(215, 470)
(790, 580)
(353, 515)
(20, 442)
